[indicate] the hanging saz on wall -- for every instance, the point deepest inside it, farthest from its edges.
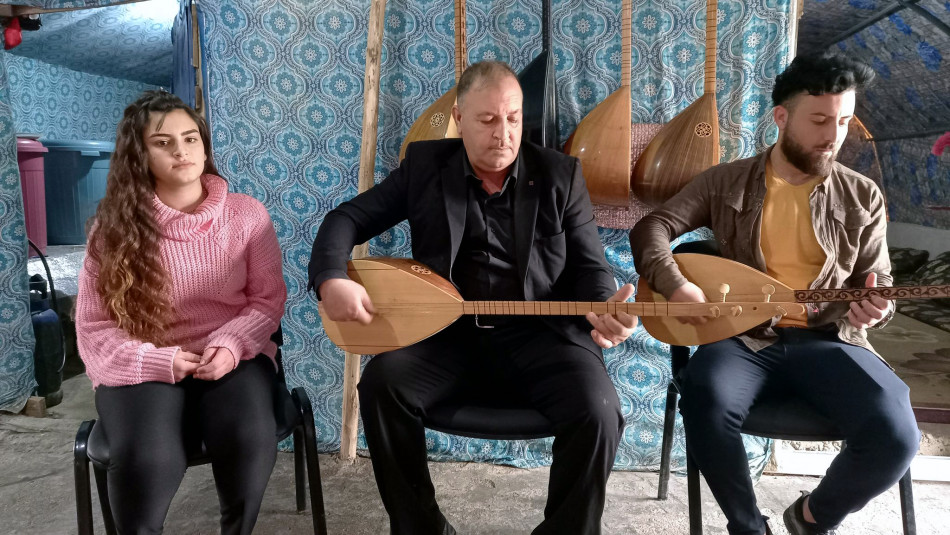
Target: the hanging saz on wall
(436, 121)
(689, 143)
(539, 110)
(601, 140)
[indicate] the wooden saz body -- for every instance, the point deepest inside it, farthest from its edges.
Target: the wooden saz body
(689, 143)
(413, 303)
(710, 273)
(746, 297)
(436, 122)
(539, 108)
(601, 140)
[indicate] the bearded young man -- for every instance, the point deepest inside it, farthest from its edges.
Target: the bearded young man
(808, 221)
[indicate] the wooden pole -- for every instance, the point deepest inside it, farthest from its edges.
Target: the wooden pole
(351, 367)
(196, 62)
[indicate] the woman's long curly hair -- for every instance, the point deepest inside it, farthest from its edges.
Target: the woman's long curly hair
(124, 238)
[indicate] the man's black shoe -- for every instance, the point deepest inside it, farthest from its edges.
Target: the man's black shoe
(795, 520)
(447, 528)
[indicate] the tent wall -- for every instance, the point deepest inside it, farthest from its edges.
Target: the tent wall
(60, 103)
(16, 330)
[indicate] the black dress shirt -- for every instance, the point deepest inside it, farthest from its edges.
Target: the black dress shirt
(485, 268)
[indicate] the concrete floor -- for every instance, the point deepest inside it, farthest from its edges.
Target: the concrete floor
(36, 492)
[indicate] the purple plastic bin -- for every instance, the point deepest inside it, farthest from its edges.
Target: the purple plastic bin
(29, 155)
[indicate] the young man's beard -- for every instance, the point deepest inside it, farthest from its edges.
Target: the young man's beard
(810, 163)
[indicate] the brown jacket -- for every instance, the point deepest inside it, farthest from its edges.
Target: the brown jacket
(848, 215)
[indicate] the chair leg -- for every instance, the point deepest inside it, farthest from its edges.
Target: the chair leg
(102, 485)
(313, 461)
(906, 490)
(81, 473)
(693, 493)
(666, 450)
(300, 483)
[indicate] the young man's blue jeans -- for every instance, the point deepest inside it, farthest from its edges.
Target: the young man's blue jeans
(848, 384)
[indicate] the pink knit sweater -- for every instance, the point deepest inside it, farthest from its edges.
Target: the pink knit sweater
(227, 289)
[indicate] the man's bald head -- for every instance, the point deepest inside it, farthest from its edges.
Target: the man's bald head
(480, 73)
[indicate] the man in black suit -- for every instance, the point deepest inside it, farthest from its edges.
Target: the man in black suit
(501, 221)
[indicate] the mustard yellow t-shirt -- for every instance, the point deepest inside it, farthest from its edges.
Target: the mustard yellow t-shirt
(791, 250)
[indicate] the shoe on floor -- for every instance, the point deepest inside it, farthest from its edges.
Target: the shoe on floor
(447, 528)
(796, 523)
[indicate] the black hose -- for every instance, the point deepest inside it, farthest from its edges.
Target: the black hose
(49, 275)
(52, 293)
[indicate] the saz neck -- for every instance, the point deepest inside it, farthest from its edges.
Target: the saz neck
(626, 28)
(461, 41)
(546, 44)
(709, 87)
(860, 294)
(581, 308)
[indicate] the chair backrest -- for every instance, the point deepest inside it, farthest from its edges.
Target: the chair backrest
(499, 413)
(489, 422)
(710, 247)
(285, 410)
(278, 339)
(789, 419)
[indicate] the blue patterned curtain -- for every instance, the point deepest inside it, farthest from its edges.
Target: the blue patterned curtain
(285, 98)
(130, 41)
(29, 88)
(16, 329)
(59, 103)
(908, 96)
(57, 4)
(183, 73)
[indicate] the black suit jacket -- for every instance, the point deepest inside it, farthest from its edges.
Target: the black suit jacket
(558, 252)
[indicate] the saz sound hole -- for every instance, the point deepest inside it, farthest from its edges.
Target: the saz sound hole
(436, 120)
(703, 129)
(420, 269)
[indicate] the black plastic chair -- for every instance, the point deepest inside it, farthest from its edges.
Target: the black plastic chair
(789, 419)
(499, 419)
(294, 415)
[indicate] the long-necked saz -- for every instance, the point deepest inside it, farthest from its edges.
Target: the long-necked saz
(539, 111)
(413, 303)
(602, 139)
(689, 143)
(436, 121)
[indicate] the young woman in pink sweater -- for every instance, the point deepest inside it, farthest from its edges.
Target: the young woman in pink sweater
(179, 294)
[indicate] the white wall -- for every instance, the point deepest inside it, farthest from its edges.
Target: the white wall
(919, 237)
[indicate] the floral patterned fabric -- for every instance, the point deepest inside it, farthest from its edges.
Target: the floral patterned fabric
(929, 312)
(59, 103)
(128, 42)
(909, 95)
(905, 261)
(936, 272)
(910, 268)
(16, 329)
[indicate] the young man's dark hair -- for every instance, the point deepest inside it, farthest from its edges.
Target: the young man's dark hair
(819, 74)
